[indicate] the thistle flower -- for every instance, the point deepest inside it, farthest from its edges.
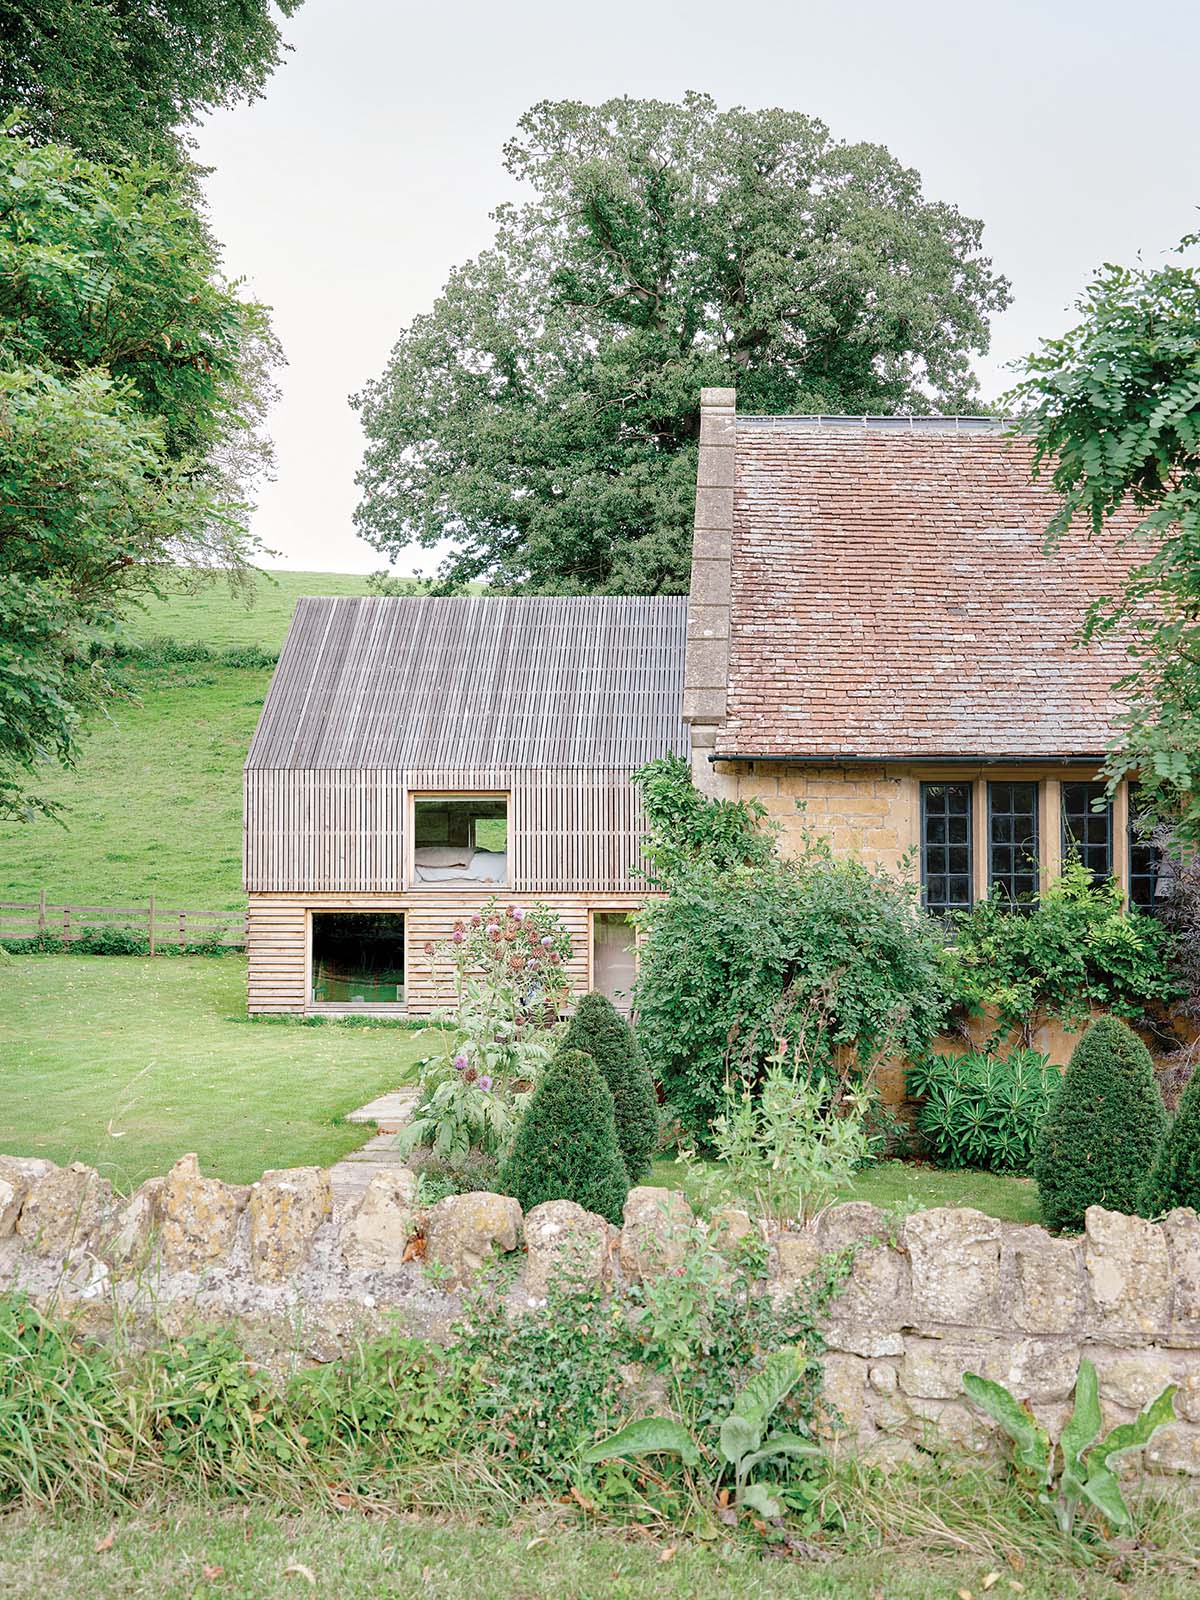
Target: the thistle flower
(458, 936)
(517, 914)
(485, 1083)
(546, 941)
(461, 1062)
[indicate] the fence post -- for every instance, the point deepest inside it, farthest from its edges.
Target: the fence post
(151, 924)
(66, 933)
(182, 929)
(41, 913)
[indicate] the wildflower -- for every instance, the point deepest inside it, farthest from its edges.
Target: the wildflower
(458, 936)
(555, 958)
(476, 920)
(485, 1083)
(517, 914)
(460, 1062)
(546, 941)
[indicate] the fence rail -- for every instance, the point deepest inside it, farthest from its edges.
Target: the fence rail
(159, 925)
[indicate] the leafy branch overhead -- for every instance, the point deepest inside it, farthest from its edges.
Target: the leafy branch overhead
(544, 414)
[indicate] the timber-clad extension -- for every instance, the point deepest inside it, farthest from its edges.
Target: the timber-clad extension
(417, 755)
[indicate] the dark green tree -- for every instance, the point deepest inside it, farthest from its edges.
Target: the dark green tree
(131, 382)
(566, 1146)
(598, 1028)
(1103, 1130)
(119, 78)
(544, 414)
(1175, 1177)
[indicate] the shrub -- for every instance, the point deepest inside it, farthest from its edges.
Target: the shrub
(983, 1110)
(1175, 1177)
(1102, 1132)
(597, 1028)
(566, 1145)
(1073, 948)
(836, 957)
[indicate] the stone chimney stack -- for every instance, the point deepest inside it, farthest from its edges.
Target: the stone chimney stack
(706, 671)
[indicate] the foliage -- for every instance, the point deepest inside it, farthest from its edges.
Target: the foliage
(1078, 1470)
(983, 1110)
(1075, 947)
(743, 1445)
(684, 826)
(1174, 1179)
(785, 1146)
(131, 378)
(597, 1028)
(1113, 408)
(544, 414)
(834, 957)
(566, 1146)
(121, 79)
(1102, 1132)
(508, 974)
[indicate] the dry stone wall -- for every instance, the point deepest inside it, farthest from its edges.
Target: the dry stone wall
(926, 1299)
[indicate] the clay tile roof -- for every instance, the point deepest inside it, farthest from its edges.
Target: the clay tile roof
(891, 597)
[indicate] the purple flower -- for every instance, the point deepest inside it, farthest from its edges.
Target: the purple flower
(460, 1063)
(484, 1081)
(458, 936)
(518, 914)
(547, 941)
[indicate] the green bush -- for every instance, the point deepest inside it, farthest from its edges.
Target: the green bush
(1074, 948)
(983, 1110)
(1103, 1130)
(597, 1028)
(566, 1145)
(1175, 1177)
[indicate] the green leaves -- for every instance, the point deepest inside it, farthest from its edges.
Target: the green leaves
(1033, 1454)
(981, 1110)
(646, 1437)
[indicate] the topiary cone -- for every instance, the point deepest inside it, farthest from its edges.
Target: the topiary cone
(566, 1146)
(1103, 1130)
(1175, 1177)
(599, 1028)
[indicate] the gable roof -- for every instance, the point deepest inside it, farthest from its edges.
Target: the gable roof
(891, 597)
(476, 682)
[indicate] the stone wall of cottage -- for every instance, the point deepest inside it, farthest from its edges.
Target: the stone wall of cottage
(928, 1298)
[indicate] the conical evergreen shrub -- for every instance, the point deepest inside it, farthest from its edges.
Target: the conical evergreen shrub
(1103, 1130)
(599, 1028)
(1175, 1178)
(566, 1146)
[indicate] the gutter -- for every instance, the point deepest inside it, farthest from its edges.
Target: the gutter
(924, 759)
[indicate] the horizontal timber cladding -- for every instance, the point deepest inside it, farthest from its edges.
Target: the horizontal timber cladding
(570, 830)
(277, 940)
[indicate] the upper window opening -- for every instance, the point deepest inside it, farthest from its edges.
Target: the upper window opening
(946, 847)
(460, 840)
(1087, 833)
(1013, 838)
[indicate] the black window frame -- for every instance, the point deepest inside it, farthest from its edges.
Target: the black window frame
(1008, 877)
(943, 905)
(1141, 881)
(1071, 844)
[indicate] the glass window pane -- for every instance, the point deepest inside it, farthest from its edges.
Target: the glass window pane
(1013, 838)
(946, 847)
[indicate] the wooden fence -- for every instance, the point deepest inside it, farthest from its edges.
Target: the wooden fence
(158, 925)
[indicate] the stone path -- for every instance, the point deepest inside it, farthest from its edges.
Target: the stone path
(349, 1177)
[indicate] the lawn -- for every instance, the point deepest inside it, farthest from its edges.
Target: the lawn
(209, 1555)
(902, 1183)
(212, 615)
(127, 1063)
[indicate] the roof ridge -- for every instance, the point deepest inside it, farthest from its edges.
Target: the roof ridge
(902, 422)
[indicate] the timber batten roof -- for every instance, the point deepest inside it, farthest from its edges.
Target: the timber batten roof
(891, 598)
(476, 682)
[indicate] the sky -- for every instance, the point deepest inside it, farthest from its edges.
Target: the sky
(370, 166)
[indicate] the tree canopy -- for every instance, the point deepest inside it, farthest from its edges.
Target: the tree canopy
(544, 414)
(1114, 410)
(130, 391)
(115, 78)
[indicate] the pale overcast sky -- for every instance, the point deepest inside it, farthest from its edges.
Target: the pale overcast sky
(370, 167)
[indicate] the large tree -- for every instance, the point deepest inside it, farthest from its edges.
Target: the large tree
(130, 387)
(126, 77)
(1114, 411)
(543, 416)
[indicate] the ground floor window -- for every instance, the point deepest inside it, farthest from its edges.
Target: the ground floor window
(614, 956)
(460, 839)
(946, 868)
(1145, 858)
(1087, 832)
(1013, 838)
(358, 958)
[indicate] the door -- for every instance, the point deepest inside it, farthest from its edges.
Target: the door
(614, 957)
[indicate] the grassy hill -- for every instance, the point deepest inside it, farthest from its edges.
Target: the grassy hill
(155, 803)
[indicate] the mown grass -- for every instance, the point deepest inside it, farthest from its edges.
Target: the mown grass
(126, 1063)
(892, 1184)
(213, 615)
(195, 1551)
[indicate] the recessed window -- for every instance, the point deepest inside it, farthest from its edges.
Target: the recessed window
(1013, 838)
(614, 956)
(946, 847)
(1087, 833)
(1145, 858)
(358, 958)
(460, 839)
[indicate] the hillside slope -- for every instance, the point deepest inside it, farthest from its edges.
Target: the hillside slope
(155, 803)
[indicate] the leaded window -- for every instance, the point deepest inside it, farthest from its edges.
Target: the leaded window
(1087, 832)
(946, 847)
(1144, 857)
(1013, 839)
